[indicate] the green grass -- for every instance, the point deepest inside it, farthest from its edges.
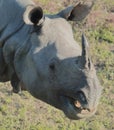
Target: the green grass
(23, 112)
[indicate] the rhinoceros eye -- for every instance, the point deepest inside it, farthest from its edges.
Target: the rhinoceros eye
(52, 66)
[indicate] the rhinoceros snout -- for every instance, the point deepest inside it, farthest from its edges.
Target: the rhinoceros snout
(77, 107)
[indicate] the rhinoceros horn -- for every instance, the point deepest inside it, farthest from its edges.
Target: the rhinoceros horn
(85, 57)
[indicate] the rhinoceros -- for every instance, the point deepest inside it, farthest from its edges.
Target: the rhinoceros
(38, 52)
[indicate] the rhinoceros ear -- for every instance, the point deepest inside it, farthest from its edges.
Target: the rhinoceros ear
(85, 58)
(33, 15)
(77, 12)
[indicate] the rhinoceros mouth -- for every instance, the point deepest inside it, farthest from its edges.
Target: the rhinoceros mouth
(77, 106)
(73, 110)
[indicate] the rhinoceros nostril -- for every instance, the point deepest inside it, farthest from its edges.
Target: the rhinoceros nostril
(87, 110)
(84, 111)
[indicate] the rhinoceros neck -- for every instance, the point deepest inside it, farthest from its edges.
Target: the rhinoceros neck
(11, 14)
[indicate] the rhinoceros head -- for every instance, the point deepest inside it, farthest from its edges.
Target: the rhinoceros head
(53, 67)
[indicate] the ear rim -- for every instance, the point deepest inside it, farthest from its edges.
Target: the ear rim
(71, 13)
(65, 13)
(31, 13)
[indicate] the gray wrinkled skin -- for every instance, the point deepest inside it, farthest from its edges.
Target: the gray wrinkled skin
(38, 52)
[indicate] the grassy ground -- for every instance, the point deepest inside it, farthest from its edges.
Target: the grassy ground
(23, 112)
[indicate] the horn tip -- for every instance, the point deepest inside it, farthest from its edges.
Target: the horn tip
(84, 41)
